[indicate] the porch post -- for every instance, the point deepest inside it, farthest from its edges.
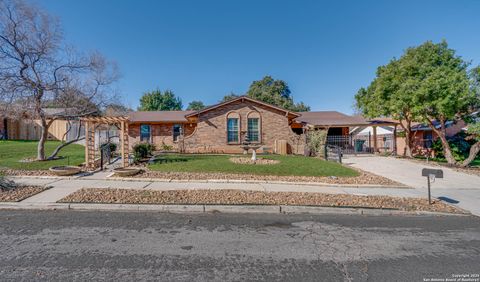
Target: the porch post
(395, 140)
(87, 143)
(122, 142)
(375, 148)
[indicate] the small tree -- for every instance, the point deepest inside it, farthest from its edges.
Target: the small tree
(195, 106)
(157, 101)
(37, 68)
(389, 96)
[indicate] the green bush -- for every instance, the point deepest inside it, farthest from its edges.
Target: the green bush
(166, 147)
(142, 151)
(460, 147)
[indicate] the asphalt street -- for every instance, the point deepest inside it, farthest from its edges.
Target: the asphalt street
(126, 246)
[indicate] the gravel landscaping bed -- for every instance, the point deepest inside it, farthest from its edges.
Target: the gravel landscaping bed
(363, 177)
(237, 197)
(259, 161)
(24, 172)
(20, 193)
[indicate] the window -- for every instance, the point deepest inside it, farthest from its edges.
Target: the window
(144, 133)
(253, 129)
(177, 131)
(232, 130)
(427, 139)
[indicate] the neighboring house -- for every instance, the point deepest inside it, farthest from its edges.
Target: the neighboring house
(222, 128)
(423, 136)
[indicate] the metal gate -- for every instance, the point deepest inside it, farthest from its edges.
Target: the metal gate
(361, 144)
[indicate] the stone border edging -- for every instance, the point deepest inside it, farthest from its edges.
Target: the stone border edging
(256, 182)
(133, 179)
(273, 209)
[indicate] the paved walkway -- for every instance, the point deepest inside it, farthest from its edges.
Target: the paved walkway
(459, 188)
(63, 187)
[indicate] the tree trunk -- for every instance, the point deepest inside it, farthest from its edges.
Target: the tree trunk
(61, 146)
(472, 155)
(64, 144)
(447, 151)
(41, 142)
(408, 138)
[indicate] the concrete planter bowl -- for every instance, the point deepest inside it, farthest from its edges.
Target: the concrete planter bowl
(126, 171)
(65, 170)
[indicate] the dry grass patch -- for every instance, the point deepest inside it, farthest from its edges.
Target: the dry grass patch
(239, 197)
(20, 193)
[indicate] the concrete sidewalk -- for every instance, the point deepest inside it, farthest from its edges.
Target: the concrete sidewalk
(60, 188)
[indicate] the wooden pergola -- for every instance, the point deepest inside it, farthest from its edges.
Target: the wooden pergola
(91, 124)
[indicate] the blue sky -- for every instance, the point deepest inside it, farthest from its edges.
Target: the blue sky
(203, 50)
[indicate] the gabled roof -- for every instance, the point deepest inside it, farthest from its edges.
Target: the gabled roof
(159, 116)
(242, 98)
(330, 118)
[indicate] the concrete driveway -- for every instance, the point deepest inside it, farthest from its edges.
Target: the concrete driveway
(458, 188)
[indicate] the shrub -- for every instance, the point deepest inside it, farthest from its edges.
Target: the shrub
(166, 147)
(460, 147)
(316, 142)
(6, 184)
(142, 150)
(113, 146)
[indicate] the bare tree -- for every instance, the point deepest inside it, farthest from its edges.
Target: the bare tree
(36, 67)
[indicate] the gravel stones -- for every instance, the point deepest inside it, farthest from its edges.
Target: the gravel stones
(239, 197)
(363, 177)
(259, 161)
(20, 193)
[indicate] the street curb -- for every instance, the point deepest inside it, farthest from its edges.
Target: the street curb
(238, 181)
(273, 209)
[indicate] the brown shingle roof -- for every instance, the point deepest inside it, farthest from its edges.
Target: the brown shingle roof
(159, 116)
(241, 98)
(330, 118)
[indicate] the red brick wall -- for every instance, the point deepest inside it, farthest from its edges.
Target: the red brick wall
(210, 135)
(160, 134)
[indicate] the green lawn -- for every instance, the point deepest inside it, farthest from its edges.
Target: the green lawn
(11, 152)
(289, 165)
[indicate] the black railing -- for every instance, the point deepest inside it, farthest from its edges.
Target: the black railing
(333, 153)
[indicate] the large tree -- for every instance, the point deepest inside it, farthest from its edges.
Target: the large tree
(157, 101)
(474, 120)
(37, 68)
(229, 97)
(390, 95)
(275, 92)
(441, 88)
(195, 106)
(429, 83)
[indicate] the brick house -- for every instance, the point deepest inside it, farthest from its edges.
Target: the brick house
(222, 128)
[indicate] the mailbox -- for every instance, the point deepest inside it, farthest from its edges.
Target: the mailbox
(431, 174)
(438, 173)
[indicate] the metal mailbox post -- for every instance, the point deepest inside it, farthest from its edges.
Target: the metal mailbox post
(431, 174)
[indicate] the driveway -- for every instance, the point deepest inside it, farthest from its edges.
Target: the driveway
(458, 188)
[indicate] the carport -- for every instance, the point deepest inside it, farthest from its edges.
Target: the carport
(343, 131)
